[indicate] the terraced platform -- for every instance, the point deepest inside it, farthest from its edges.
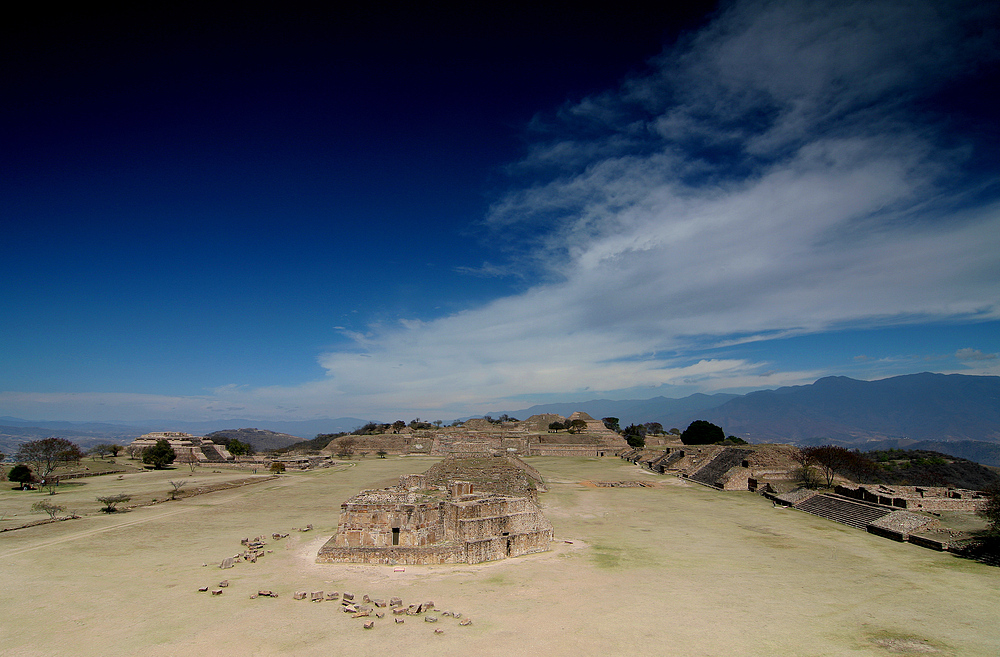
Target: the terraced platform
(843, 511)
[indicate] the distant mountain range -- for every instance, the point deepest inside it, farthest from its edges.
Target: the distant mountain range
(951, 413)
(15, 431)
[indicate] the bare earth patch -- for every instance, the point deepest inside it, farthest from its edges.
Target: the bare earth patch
(673, 570)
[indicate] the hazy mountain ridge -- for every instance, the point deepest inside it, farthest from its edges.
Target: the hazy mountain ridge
(259, 439)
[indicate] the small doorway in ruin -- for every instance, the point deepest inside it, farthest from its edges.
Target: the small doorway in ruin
(395, 535)
(507, 536)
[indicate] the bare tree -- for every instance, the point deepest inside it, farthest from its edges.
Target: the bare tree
(177, 486)
(109, 501)
(46, 454)
(47, 507)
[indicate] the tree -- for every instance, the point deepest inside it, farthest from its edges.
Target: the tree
(575, 425)
(100, 450)
(48, 507)
(159, 455)
(702, 432)
(237, 447)
(556, 426)
(635, 435)
(277, 467)
(612, 424)
(382, 453)
(176, 488)
(189, 458)
(21, 474)
(109, 501)
(991, 512)
(806, 474)
(831, 460)
(397, 425)
(675, 431)
(653, 428)
(345, 447)
(134, 451)
(46, 454)
(115, 449)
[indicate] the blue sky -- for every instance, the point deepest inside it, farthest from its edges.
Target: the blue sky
(303, 215)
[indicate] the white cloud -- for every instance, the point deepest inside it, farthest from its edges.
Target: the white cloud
(973, 355)
(769, 178)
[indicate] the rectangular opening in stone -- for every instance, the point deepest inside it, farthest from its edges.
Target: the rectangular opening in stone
(395, 535)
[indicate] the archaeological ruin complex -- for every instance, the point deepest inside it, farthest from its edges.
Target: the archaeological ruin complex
(461, 510)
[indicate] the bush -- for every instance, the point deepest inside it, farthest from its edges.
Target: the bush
(20, 474)
(277, 467)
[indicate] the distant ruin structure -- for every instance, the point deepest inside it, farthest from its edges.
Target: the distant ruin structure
(188, 448)
(421, 521)
(480, 437)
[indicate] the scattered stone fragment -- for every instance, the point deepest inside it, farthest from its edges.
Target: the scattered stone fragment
(438, 631)
(400, 620)
(369, 625)
(203, 589)
(366, 599)
(430, 619)
(253, 596)
(332, 595)
(348, 596)
(446, 613)
(427, 606)
(395, 602)
(350, 609)
(396, 611)
(216, 591)
(224, 583)
(457, 614)
(226, 563)
(379, 602)
(379, 614)
(467, 621)
(399, 569)
(267, 594)
(316, 596)
(299, 595)
(362, 614)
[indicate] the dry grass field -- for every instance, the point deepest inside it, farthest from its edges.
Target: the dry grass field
(674, 570)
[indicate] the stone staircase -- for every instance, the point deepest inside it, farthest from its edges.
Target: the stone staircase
(854, 514)
(711, 472)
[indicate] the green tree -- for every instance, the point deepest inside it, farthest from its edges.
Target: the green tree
(237, 447)
(101, 450)
(612, 424)
(653, 428)
(20, 474)
(702, 432)
(635, 435)
(115, 449)
(277, 467)
(159, 455)
(556, 426)
(575, 426)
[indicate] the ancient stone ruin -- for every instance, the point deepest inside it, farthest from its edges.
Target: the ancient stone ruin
(488, 514)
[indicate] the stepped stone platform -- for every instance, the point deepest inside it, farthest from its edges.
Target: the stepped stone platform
(421, 521)
(850, 513)
(712, 472)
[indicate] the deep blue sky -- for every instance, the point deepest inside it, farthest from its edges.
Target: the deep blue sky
(384, 213)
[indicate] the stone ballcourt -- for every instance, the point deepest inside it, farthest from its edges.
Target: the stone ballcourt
(675, 569)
